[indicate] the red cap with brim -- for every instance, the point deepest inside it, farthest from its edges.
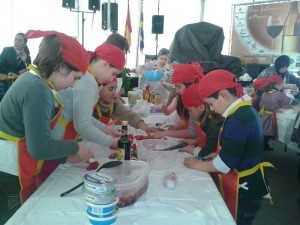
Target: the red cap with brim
(187, 73)
(72, 51)
(190, 96)
(217, 80)
(111, 54)
(260, 83)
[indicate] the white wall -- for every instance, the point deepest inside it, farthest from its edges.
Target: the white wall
(22, 15)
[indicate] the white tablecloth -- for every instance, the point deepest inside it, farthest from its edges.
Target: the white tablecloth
(285, 124)
(195, 199)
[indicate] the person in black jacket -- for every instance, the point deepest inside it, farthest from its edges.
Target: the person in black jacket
(15, 59)
(280, 68)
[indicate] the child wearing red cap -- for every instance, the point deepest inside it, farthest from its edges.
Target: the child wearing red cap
(28, 112)
(258, 86)
(110, 109)
(271, 100)
(183, 76)
(106, 62)
(238, 160)
(207, 124)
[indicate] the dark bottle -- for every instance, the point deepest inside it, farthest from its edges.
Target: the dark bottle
(124, 143)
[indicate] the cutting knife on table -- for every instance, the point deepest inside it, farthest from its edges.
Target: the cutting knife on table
(181, 145)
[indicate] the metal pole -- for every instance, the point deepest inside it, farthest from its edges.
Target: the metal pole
(82, 26)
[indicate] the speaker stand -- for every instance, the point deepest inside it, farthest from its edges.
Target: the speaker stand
(156, 40)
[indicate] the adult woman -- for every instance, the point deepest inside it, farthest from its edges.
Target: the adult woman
(29, 110)
(280, 68)
(161, 64)
(15, 59)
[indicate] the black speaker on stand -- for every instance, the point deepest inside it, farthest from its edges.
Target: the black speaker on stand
(94, 5)
(157, 24)
(113, 16)
(68, 4)
(157, 27)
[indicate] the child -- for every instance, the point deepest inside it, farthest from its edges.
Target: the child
(25, 125)
(109, 108)
(271, 100)
(207, 123)
(183, 76)
(238, 160)
(258, 86)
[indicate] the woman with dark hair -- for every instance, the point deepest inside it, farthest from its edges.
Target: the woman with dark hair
(280, 68)
(15, 59)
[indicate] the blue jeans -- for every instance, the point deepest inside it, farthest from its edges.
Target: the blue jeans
(247, 210)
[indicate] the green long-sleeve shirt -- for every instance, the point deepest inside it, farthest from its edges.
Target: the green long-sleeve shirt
(26, 110)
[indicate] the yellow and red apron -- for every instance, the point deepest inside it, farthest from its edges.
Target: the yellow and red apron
(103, 119)
(28, 168)
(228, 184)
(272, 114)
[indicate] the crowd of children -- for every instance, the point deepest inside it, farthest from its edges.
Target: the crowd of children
(226, 131)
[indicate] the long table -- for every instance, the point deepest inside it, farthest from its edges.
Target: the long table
(194, 201)
(285, 123)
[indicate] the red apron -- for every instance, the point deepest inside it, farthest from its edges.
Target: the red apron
(200, 134)
(229, 183)
(28, 168)
(103, 119)
(201, 143)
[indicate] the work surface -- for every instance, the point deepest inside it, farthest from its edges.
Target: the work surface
(195, 199)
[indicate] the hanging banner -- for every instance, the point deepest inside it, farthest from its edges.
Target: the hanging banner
(262, 32)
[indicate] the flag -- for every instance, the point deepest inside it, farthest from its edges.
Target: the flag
(128, 28)
(141, 29)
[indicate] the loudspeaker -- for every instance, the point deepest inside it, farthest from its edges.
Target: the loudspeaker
(113, 16)
(94, 5)
(157, 24)
(68, 4)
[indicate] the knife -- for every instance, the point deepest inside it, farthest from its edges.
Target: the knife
(172, 147)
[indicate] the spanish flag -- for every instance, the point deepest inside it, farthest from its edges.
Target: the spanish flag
(128, 28)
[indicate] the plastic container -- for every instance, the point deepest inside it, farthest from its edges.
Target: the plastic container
(103, 209)
(98, 198)
(160, 160)
(153, 75)
(132, 180)
(99, 182)
(103, 220)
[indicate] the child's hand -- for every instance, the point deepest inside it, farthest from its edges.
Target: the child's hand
(192, 163)
(158, 134)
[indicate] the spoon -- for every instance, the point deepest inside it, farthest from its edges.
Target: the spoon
(105, 165)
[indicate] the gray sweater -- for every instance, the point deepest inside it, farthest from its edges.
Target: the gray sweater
(79, 103)
(27, 108)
